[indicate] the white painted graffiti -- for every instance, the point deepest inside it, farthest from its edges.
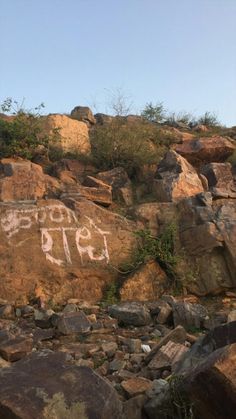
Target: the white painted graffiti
(16, 220)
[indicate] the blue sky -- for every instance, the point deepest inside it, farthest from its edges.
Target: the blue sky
(81, 52)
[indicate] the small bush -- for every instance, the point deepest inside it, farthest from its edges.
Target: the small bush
(209, 119)
(129, 145)
(23, 135)
(154, 113)
(173, 119)
(111, 293)
(161, 249)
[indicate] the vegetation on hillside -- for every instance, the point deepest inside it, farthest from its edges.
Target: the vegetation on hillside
(23, 135)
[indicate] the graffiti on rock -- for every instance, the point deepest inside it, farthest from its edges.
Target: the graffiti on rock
(58, 223)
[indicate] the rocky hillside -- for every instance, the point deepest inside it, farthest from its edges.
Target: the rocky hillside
(103, 209)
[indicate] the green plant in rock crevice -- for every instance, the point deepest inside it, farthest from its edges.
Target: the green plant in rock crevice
(161, 249)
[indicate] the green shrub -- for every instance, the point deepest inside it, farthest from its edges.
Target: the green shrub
(154, 113)
(209, 119)
(111, 293)
(173, 119)
(129, 145)
(23, 134)
(161, 249)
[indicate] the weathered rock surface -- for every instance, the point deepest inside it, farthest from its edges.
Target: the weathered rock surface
(135, 386)
(15, 348)
(73, 135)
(207, 231)
(154, 216)
(217, 338)
(147, 284)
(21, 180)
(175, 179)
(206, 149)
(189, 315)
(84, 114)
(131, 313)
(73, 323)
(167, 356)
(51, 388)
(220, 178)
(211, 386)
(66, 251)
(177, 335)
(100, 194)
(77, 169)
(120, 183)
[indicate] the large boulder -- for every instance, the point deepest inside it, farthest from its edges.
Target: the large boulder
(131, 313)
(220, 179)
(207, 231)
(206, 149)
(120, 183)
(147, 284)
(218, 337)
(21, 180)
(84, 114)
(72, 134)
(44, 385)
(175, 179)
(69, 251)
(211, 387)
(96, 191)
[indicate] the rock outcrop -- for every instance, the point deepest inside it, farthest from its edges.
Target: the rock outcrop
(67, 251)
(175, 179)
(206, 149)
(147, 284)
(72, 134)
(21, 180)
(47, 390)
(84, 114)
(207, 231)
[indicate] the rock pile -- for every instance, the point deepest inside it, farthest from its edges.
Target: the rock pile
(81, 360)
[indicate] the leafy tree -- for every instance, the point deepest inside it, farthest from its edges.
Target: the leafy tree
(154, 113)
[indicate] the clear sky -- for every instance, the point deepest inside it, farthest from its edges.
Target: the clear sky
(76, 52)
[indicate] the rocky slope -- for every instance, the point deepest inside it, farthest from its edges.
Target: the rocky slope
(68, 235)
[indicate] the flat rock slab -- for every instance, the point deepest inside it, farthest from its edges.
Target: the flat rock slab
(167, 356)
(135, 386)
(71, 323)
(177, 335)
(15, 348)
(131, 313)
(44, 386)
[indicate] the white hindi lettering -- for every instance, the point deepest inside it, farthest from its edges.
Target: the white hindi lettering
(16, 220)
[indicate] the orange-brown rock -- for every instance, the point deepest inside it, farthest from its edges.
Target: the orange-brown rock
(67, 251)
(175, 179)
(45, 385)
(84, 114)
(211, 386)
(220, 177)
(206, 149)
(120, 183)
(207, 234)
(77, 169)
(155, 215)
(147, 284)
(21, 180)
(73, 134)
(135, 386)
(100, 195)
